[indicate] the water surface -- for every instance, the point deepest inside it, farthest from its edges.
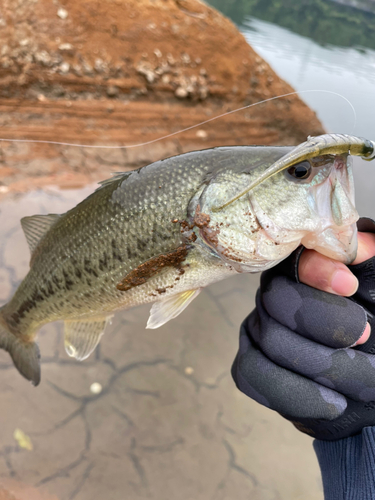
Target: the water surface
(307, 65)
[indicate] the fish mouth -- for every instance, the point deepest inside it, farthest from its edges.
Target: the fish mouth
(338, 243)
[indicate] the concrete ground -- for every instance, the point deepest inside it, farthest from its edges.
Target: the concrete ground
(168, 423)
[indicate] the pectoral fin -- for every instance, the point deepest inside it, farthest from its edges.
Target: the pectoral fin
(81, 337)
(169, 308)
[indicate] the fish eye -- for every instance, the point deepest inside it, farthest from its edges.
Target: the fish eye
(300, 170)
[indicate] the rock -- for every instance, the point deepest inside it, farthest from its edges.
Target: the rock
(62, 13)
(203, 93)
(181, 92)
(112, 91)
(58, 91)
(163, 68)
(185, 58)
(254, 81)
(77, 68)
(144, 68)
(175, 29)
(66, 47)
(64, 68)
(6, 63)
(100, 66)
(202, 134)
(110, 60)
(170, 59)
(87, 68)
(43, 57)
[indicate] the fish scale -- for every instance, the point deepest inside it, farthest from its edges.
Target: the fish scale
(163, 232)
(84, 237)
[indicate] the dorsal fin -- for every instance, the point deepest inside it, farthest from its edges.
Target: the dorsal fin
(36, 226)
(115, 177)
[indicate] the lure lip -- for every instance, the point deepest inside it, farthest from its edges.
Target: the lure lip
(333, 144)
(371, 155)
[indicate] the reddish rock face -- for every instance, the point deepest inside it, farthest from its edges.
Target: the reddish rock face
(126, 72)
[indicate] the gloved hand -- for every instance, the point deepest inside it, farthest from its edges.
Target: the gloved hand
(297, 353)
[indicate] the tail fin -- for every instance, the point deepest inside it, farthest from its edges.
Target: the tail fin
(25, 355)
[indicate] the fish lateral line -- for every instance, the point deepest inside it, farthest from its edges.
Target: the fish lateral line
(334, 144)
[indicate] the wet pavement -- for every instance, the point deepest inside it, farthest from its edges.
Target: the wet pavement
(163, 419)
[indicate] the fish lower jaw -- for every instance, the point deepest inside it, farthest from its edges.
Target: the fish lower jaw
(335, 243)
(345, 258)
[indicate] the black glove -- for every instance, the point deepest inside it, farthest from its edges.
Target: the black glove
(296, 351)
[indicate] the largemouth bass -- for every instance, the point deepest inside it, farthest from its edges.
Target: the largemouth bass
(165, 231)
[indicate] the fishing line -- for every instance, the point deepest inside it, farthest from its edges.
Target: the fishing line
(96, 146)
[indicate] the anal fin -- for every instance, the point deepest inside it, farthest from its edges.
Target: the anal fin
(82, 336)
(169, 308)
